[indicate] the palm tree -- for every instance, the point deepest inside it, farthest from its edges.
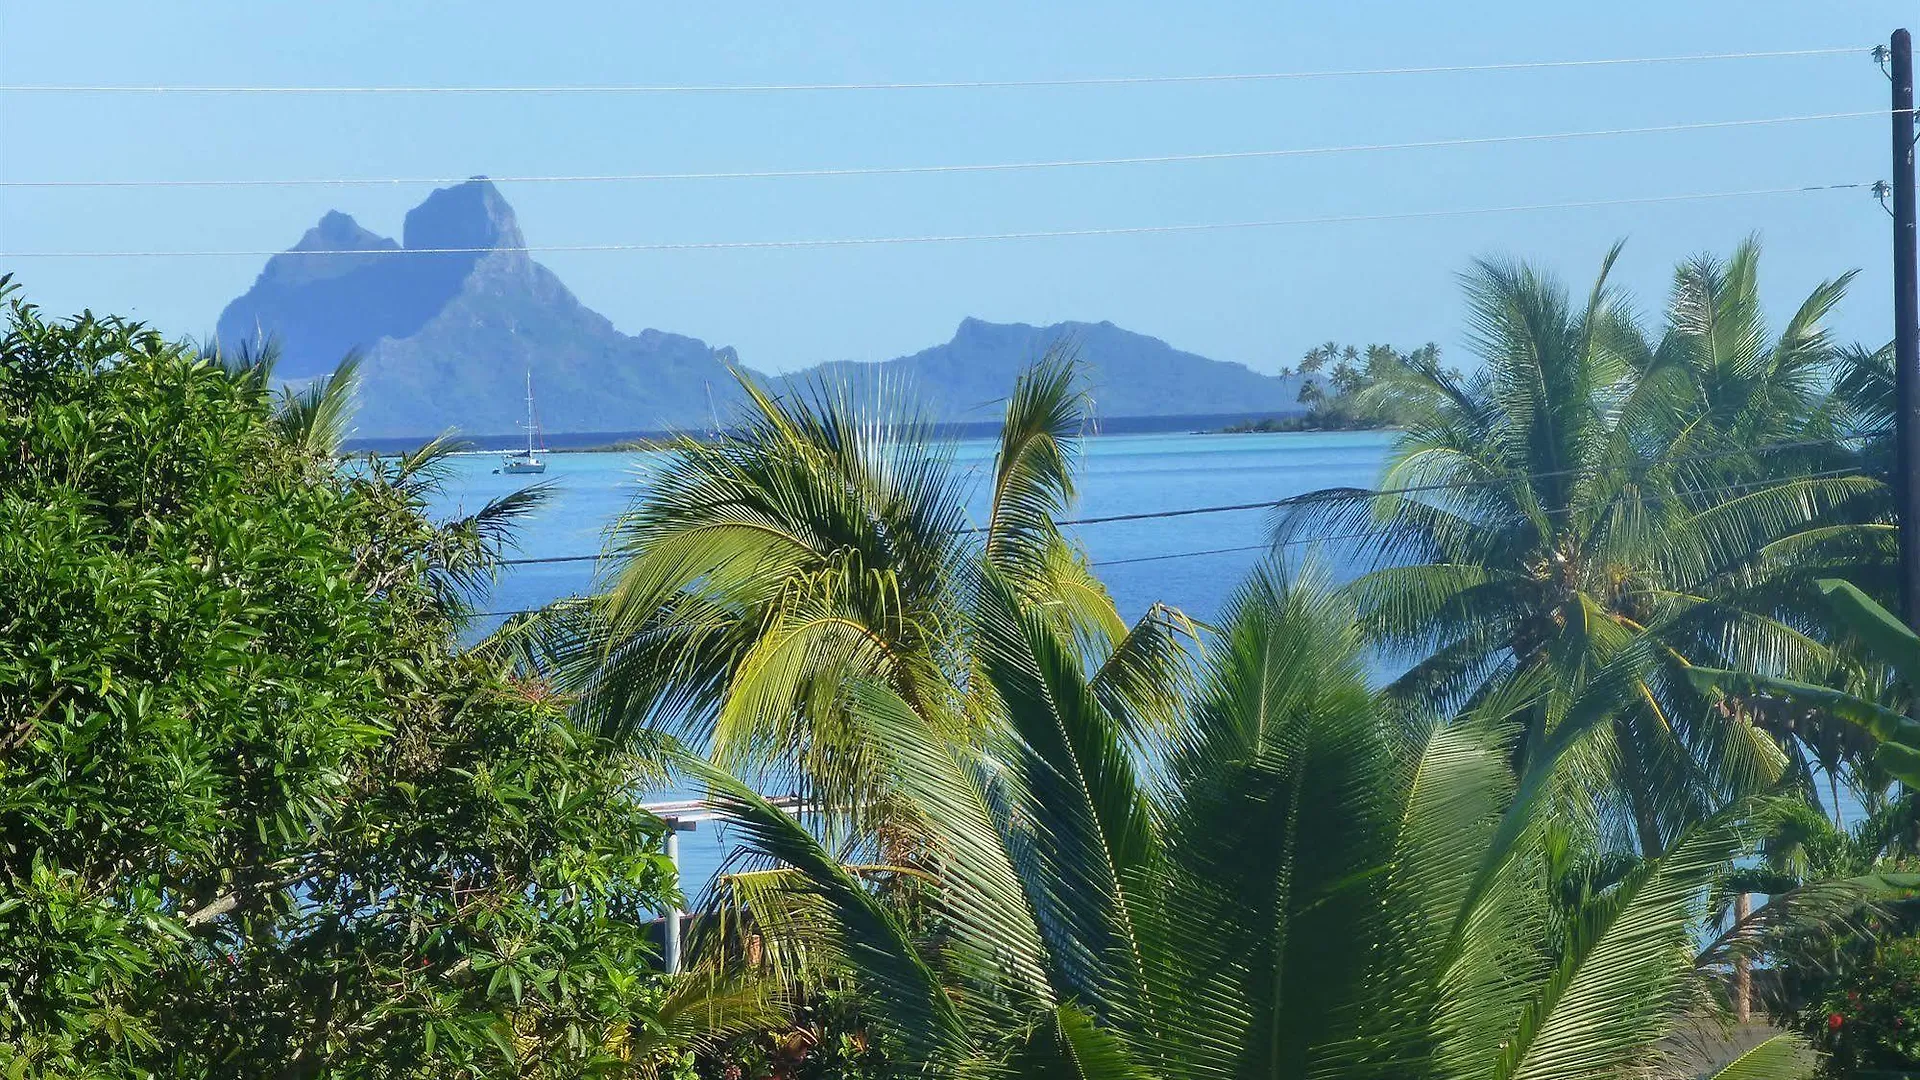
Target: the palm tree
(822, 543)
(1595, 512)
(1312, 890)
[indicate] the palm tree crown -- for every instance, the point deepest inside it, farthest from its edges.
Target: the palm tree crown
(1596, 512)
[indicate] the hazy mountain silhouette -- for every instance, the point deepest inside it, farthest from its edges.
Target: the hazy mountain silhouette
(1129, 374)
(451, 328)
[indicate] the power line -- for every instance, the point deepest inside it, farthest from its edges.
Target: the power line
(1728, 489)
(550, 559)
(1095, 562)
(963, 84)
(914, 170)
(1188, 554)
(1335, 495)
(1046, 234)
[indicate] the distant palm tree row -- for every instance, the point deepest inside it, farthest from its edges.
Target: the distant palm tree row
(1044, 842)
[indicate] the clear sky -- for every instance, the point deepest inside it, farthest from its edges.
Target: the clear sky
(1258, 296)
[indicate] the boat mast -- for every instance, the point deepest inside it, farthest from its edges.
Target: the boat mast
(529, 414)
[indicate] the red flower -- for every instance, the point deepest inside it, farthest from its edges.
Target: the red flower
(1834, 1020)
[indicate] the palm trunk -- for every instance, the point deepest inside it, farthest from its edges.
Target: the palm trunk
(1742, 972)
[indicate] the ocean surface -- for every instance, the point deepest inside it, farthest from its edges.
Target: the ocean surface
(1191, 562)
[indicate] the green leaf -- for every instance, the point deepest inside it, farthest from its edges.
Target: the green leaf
(1888, 639)
(1783, 1057)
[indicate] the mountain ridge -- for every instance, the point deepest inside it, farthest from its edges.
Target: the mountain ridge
(452, 317)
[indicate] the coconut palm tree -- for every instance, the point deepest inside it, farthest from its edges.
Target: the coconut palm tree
(1312, 891)
(1595, 511)
(822, 542)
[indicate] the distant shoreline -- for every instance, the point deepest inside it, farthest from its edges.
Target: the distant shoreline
(649, 445)
(1295, 425)
(603, 441)
(630, 446)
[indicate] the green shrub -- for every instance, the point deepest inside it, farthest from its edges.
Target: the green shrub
(258, 815)
(1868, 1022)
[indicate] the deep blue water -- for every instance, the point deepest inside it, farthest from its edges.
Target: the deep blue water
(1120, 474)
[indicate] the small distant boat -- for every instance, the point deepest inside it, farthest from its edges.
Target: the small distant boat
(526, 461)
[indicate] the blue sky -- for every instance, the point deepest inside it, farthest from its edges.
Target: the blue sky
(1260, 297)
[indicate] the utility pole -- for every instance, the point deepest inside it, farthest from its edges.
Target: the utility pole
(671, 944)
(1906, 328)
(670, 927)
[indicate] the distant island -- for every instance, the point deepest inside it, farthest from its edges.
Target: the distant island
(1302, 422)
(452, 317)
(637, 445)
(1344, 388)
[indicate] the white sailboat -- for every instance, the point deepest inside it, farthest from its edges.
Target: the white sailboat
(526, 461)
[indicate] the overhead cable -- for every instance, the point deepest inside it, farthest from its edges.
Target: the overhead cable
(952, 238)
(1333, 495)
(988, 167)
(952, 84)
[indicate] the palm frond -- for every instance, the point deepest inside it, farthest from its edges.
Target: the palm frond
(1033, 482)
(1087, 831)
(1783, 1057)
(1278, 809)
(703, 1010)
(1617, 989)
(908, 1000)
(1066, 1042)
(316, 419)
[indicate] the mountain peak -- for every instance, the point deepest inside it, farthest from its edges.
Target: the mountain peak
(468, 215)
(975, 331)
(335, 232)
(339, 232)
(453, 323)
(321, 305)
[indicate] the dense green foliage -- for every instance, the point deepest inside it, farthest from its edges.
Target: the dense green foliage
(1886, 642)
(1855, 989)
(1111, 870)
(1597, 507)
(1345, 389)
(1310, 889)
(258, 816)
(1869, 1025)
(261, 817)
(815, 547)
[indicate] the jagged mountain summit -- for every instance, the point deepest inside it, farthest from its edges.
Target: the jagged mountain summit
(451, 330)
(453, 317)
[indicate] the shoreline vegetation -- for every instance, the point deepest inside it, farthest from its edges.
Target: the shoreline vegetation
(1345, 388)
(1300, 425)
(1297, 423)
(1097, 426)
(634, 446)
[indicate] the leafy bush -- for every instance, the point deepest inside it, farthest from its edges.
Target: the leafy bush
(1868, 1023)
(258, 815)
